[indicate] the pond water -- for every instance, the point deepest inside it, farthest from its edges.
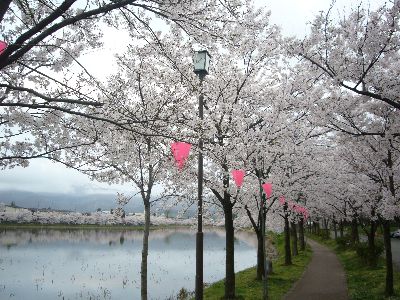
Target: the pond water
(105, 264)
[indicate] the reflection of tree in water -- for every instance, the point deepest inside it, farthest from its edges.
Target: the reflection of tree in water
(100, 236)
(88, 252)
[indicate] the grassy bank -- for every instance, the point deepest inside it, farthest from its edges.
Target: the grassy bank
(279, 283)
(363, 282)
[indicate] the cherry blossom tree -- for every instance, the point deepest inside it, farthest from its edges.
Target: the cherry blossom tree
(270, 145)
(119, 156)
(357, 52)
(43, 82)
(239, 78)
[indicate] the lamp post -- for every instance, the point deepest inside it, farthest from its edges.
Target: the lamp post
(267, 187)
(265, 275)
(201, 67)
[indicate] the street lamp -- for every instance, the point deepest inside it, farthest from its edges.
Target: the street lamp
(202, 63)
(201, 67)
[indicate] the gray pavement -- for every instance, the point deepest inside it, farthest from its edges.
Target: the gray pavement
(395, 253)
(324, 278)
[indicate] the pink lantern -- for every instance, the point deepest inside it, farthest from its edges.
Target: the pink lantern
(238, 176)
(267, 187)
(180, 150)
(300, 209)
(291, 205)
(305, 213)
(282, 200)
(3, 46)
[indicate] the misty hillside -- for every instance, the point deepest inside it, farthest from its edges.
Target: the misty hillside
(77, 202)
(73, 202)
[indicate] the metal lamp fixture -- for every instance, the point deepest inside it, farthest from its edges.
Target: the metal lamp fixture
(202, 62)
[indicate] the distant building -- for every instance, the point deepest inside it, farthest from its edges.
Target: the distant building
(7, 208)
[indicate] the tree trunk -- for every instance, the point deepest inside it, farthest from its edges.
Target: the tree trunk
(372, 259)
(145, 252)
(288, 255)
(335, 229)
(270, 269)
(326, 228)
(4, 5)
(230, 254)
(301, 235)
(341, 229)
(355, 238)
(386, 232)
(259, 234)
(260, 261)
(389, 262)
(295, 251)
(315, 227)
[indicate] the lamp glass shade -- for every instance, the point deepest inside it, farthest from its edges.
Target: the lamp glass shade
(202, 62)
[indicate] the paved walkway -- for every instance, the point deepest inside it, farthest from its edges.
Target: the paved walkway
(324, 278)
(395, 254)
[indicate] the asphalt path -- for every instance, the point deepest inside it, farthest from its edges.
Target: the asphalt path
(396, 253)
(324, 278)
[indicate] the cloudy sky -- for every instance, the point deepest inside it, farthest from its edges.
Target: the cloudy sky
(44, 176)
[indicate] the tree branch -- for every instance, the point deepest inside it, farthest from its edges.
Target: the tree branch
(50, 99)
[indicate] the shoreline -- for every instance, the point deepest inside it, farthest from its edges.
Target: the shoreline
(63, 226)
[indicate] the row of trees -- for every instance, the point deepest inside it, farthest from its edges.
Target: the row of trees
(99, 218)
(318, 117)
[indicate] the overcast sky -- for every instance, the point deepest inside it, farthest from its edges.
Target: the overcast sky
(44, 176)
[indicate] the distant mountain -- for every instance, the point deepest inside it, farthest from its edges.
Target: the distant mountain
(72, 202)
(77, 202)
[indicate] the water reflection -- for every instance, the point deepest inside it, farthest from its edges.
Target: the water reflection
(105, 264)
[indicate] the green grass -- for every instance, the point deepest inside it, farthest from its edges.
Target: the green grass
(279, 283)
(364, 283)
